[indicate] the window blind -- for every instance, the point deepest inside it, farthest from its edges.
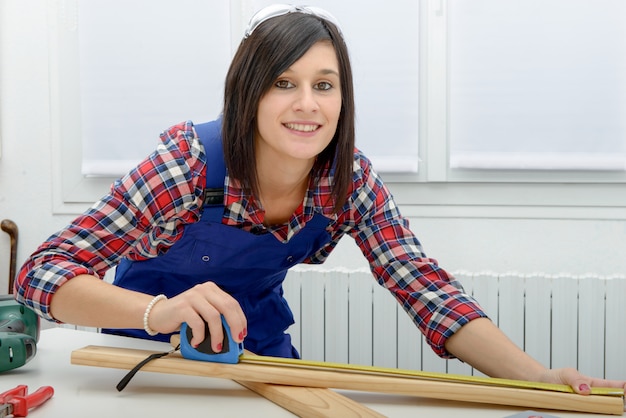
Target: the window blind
(539, 84)
(148, 64)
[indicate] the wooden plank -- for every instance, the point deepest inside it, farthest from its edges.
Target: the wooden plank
(124, 358)
(311, 402)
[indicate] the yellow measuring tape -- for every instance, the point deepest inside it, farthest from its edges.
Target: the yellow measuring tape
(249, 358)
(384, 371)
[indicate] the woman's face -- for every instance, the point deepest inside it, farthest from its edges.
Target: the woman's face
(297, 118)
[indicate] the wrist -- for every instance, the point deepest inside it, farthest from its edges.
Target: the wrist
(146, 314)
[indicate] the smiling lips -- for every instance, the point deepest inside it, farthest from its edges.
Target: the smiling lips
(302, 127)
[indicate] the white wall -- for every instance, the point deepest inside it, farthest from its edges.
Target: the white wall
(25, 166)
(524, 242)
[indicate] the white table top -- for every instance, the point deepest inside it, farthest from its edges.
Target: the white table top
(84, 391)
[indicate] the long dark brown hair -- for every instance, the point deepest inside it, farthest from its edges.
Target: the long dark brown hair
(260, 59)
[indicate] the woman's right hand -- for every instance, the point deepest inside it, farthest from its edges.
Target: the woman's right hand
(202, 303)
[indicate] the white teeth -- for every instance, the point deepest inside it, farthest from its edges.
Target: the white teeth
(301, 127)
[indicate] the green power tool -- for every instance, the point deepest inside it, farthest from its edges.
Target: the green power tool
(19, 333)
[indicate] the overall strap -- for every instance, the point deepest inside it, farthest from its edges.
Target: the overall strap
(210, 134)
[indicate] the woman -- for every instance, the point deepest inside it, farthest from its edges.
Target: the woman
(213, 219)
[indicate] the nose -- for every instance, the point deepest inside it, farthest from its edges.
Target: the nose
(305, 101)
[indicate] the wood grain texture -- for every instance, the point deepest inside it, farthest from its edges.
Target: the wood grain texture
(124, 358)
(311, 402)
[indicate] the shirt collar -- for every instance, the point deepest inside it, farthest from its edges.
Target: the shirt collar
(242, 210)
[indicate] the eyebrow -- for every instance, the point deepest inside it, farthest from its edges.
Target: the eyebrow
(324, 71)
(329, 71)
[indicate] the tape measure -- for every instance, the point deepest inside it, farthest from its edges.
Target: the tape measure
(231, 350)
(447, 377)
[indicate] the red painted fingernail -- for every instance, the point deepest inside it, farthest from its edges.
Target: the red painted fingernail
(219, 347)
(241, 335)
(583, 387)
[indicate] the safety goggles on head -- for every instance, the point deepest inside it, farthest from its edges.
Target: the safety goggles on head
(276, 10)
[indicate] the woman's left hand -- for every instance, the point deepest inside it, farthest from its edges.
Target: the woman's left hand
(580, 383)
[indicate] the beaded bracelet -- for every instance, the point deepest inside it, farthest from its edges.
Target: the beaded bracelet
(146, 314)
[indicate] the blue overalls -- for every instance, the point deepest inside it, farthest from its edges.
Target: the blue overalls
(249, 267)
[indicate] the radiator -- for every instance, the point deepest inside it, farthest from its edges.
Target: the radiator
(561, 320)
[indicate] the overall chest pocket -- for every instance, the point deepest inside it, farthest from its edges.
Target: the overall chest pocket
(224, 247)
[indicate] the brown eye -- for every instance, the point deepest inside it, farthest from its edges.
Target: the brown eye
(324, 85)
(283, 84)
